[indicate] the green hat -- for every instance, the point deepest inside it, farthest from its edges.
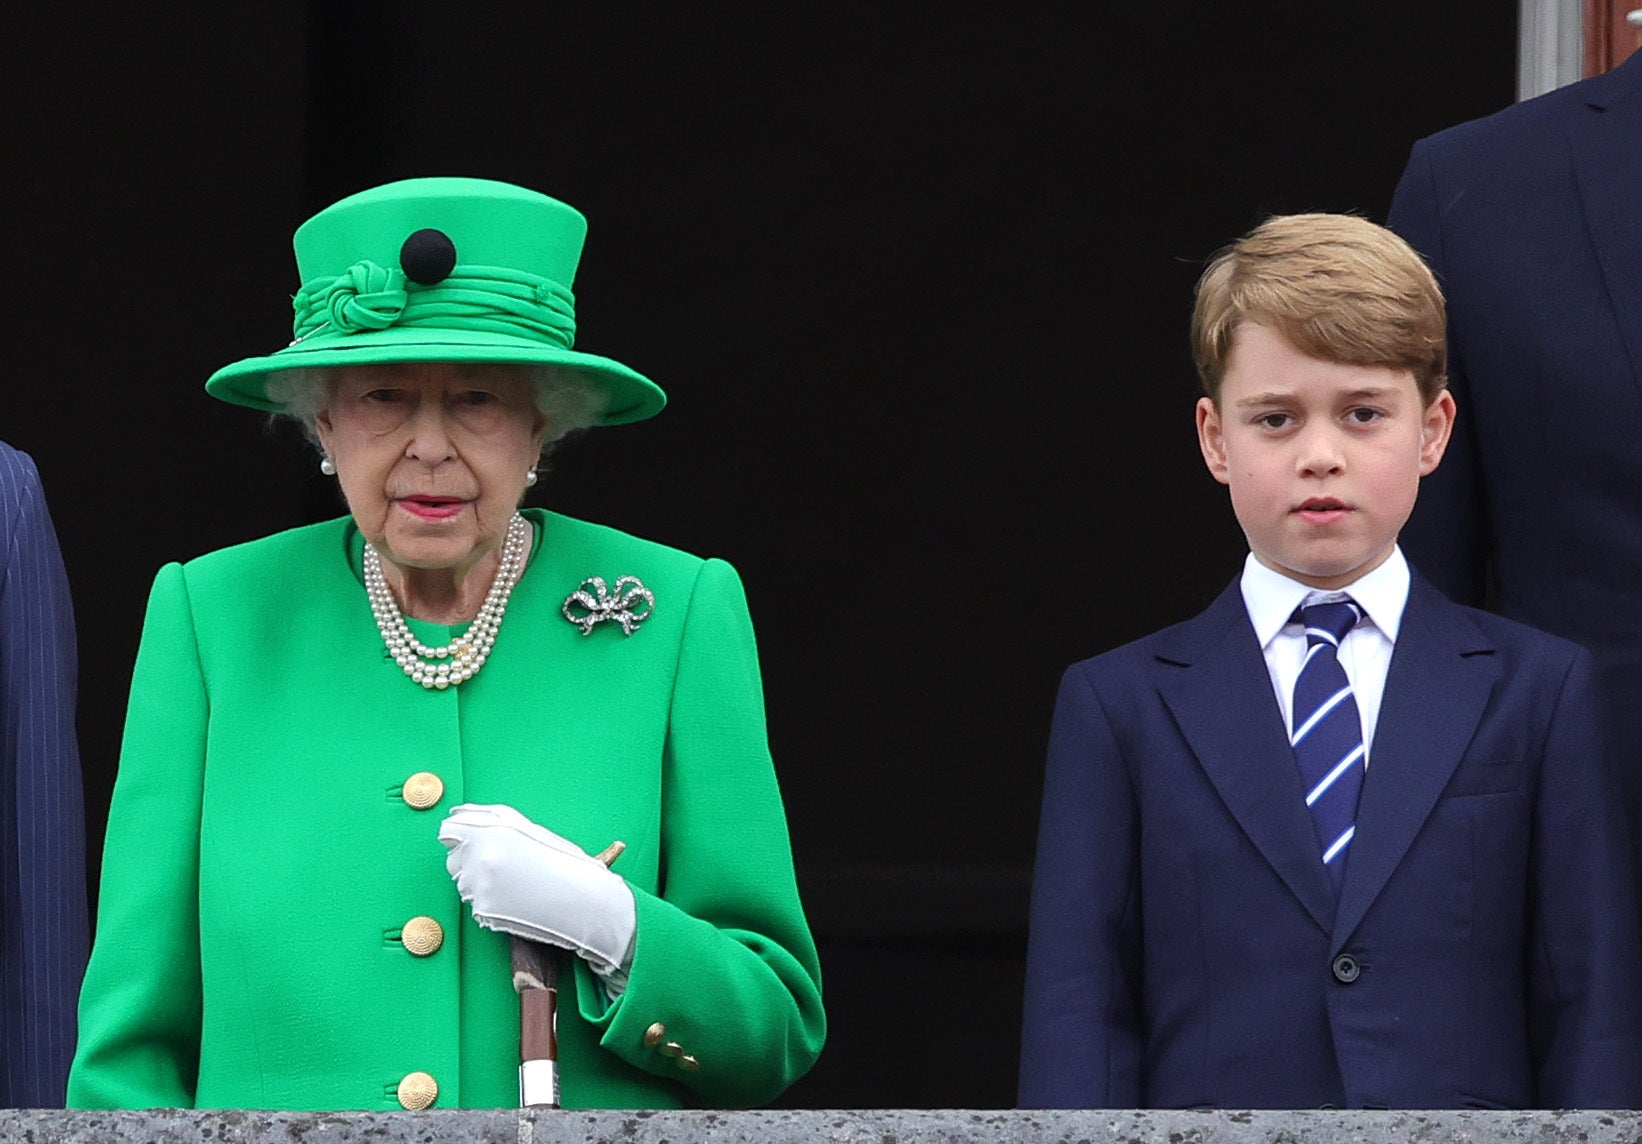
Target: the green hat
(459, 270)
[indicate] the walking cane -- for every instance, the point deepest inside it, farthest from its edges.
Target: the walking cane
(536, 981)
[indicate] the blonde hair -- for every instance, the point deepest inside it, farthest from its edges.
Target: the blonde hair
(1336, 287)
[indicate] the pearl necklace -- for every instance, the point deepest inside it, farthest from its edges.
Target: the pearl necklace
(465, 654)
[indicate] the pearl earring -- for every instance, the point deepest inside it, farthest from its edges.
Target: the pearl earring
(328, 467)
(530, 478)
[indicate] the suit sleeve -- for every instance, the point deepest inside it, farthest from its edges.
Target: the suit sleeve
(723, 958)
(1081, 1037)
(45, 892)
(140, 1007)
(1447, 537)
(1586, 960)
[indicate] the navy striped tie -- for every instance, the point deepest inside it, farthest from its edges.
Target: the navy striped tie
(1328, 735)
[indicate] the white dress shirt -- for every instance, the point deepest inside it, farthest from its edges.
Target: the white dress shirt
(1365, 653)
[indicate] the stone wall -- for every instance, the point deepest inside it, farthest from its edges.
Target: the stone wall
(894, 1126)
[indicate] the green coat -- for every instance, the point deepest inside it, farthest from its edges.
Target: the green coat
(260, 860)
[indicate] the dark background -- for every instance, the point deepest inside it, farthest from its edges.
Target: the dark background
(917, 283)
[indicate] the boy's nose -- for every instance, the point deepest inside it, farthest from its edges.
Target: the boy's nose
(1321, 455)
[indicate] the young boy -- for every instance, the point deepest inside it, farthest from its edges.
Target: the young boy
(1337, 841)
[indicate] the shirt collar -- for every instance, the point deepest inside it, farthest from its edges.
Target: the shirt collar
(1271, 597)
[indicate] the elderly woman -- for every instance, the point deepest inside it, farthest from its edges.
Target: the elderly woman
(312, 714)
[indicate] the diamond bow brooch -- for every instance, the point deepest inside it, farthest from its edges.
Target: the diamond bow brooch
(629, 604)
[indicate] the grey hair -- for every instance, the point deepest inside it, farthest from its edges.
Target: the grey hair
(568, 403)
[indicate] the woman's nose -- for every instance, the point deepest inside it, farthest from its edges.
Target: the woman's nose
(430, 440)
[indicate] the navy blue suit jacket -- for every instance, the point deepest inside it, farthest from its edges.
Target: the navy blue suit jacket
(1532, 221)
(1185, 941)
(42, 832)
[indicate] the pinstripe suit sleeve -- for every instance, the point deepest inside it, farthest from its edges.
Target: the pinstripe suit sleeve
(42, 829)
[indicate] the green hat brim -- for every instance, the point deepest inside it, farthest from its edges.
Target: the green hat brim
(632, 396)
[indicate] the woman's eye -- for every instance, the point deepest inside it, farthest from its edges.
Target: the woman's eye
(383, 396)
(477, 397)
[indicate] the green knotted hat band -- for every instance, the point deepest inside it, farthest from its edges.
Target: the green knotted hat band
(460, 270)
(372, 297)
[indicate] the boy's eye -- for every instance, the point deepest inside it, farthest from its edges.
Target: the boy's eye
(1272, 420)
(1362, 416)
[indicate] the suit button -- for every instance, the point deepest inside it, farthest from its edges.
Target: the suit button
(689, 1063)
(422, 790)
(1346, 970)
(418, 1091)
(671, 1049)
(654, 1035)
(422, 936)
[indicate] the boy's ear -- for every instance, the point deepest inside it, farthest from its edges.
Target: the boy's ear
(1211, 440)
(1436, 427)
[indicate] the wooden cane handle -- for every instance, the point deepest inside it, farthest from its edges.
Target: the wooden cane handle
(538, 1040)
(536, 980)
(534, 966)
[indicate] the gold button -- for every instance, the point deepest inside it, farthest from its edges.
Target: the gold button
(422, 936)
(422, 790)
(654, 1034)
(671, 1049)
(689, 1063)
(418, 1091)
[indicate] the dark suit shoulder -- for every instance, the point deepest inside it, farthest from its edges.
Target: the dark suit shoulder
(1180, 643)
(1135, 655)
(16, 464)
(19, 481)
(1523, 127)
(1435, 624)
(1521, 643)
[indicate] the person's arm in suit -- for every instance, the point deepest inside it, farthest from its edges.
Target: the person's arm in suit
(1447, 538)
(1081, 1036)
(1585, 975)
(45, 909)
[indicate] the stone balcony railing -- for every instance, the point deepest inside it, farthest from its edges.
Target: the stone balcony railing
(891, 1126)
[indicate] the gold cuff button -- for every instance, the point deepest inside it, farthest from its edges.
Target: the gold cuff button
(418, 1091)
(671, 1049)
(689, 1063)
(654, 1035)
(422, 936)
(422, 790)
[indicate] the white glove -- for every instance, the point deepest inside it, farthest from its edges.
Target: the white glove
(523, 879)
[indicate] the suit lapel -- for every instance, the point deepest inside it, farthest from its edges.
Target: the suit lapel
(1607, 158)
(1221, 697)
(1441, 675)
